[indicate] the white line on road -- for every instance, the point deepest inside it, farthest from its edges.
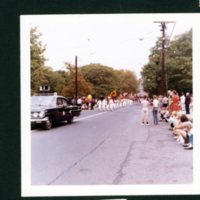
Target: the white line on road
(88, 117)
(80, 119)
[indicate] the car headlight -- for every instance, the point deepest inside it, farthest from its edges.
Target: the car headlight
(35, 114)
(41, 114)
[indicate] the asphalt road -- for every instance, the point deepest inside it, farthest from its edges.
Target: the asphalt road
(109, 148)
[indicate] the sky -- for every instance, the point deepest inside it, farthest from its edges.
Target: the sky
(120, 41)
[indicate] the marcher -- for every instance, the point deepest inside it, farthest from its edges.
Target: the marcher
(187, 103)
(145, 111)
(155, 109)
(79, 102)
(104, 104)
(111, 103)
(100, 104)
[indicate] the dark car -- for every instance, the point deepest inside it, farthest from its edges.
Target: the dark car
(50, 109)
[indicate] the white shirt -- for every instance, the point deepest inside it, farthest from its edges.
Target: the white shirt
(155, 103)
(145, 103)
(182, 99)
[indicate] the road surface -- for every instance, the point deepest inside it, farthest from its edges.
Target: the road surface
(110, 148)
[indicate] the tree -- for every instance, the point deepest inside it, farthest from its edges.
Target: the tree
(178, 66)
(84, 87)
(37, 61)
(102, 78)
(55, 80)
(179, 63)
(127, 81)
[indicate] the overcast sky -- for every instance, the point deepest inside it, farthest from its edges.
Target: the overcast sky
(121, 41)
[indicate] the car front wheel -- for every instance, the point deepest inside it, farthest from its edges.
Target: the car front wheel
(70, 120)
(48, 124)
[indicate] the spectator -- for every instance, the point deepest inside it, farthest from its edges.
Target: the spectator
(191, 104)
(155, 109)
(145, 111)
(164, 102)
(183, 129)
(173, 120)
(187, 103)
(164, 114)
(174, 106)
(182, 101)
(190, 144)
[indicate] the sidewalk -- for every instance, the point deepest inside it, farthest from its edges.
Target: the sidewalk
(156, 158)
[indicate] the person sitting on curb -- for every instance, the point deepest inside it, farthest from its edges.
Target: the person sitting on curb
(164, 114)
(173, 119)
(183, 129)
(190, 144)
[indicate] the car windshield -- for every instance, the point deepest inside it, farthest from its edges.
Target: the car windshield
(42, 101)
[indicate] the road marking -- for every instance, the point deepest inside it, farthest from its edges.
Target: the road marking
(76, 120)
(88, 117)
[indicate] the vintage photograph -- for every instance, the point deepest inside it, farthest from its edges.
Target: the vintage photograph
(108, 104)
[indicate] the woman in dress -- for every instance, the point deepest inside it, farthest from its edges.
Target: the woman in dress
(175, 104)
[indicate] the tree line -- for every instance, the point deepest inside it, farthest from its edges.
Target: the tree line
(94, 78)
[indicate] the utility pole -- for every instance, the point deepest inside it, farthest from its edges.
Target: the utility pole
(76, 82)
(163, 89)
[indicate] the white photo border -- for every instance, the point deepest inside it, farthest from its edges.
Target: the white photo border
(29, 190)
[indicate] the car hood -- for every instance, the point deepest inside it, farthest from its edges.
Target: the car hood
(39, 108)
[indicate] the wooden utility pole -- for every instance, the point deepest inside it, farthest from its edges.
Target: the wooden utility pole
(76, 81)
(163, 89)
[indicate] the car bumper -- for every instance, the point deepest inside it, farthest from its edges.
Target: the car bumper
(39, 121)
(75, 113)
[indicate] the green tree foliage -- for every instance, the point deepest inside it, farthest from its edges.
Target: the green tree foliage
(84, 87)
(151, 78)
(102, 78)
(55, 80)
(105, 79)
(37, 61)
(178, 65)
(127, 81)
(41, 74)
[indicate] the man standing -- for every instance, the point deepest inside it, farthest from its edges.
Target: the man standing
(155, 109)
(187, 103)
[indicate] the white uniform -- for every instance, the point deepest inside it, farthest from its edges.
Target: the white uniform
(111, 104)
(104, 105)
(100, 105)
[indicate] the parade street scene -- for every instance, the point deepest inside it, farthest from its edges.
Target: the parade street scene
(110, 147)
(111, 99)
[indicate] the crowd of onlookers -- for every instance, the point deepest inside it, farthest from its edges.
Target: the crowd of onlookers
(175, 109)
(178, 112)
